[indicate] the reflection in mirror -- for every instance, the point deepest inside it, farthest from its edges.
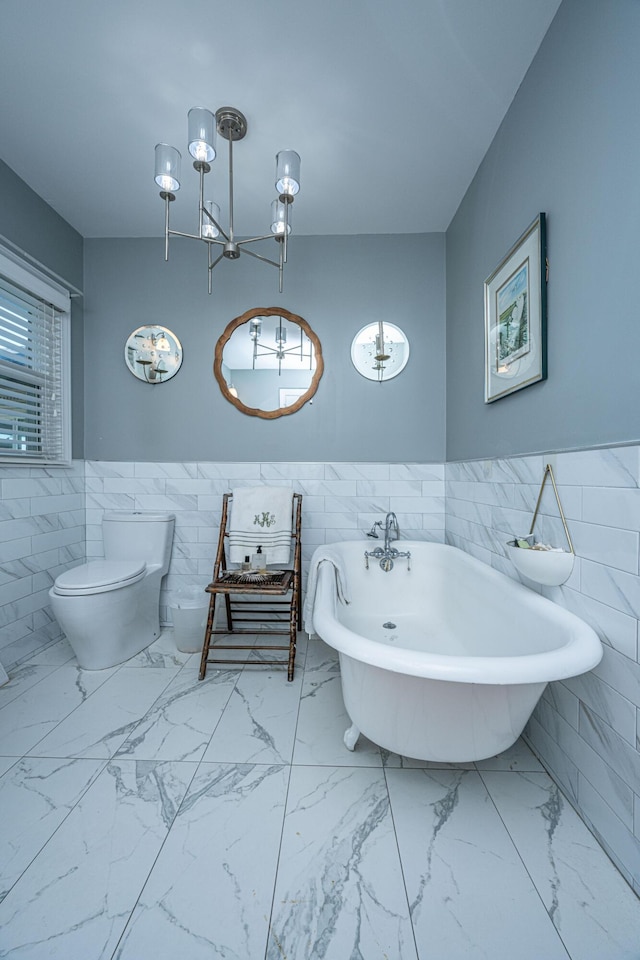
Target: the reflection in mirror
(268, 362)
(153, 354)
(380, 351)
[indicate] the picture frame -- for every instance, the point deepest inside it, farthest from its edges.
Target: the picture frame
(515, 316)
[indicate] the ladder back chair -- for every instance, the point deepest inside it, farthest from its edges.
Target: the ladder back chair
(270, 601)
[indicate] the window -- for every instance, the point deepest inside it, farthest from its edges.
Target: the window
(34, 367)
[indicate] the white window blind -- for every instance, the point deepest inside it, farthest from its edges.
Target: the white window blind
(34, 358)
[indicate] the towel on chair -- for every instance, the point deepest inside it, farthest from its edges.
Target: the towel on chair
(323, 554)
(261, 516)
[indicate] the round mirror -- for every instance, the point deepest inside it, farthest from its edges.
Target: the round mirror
(153, 354)
(380, 351)
(268, 362)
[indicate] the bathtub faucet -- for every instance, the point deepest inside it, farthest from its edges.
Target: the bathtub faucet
(387, 554)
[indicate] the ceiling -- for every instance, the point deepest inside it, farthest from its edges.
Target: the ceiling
(391, 104)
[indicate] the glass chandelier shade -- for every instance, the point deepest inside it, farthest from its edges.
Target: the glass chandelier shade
(287, 173)
(209, 229)
(280, 218)
(167, 172)
(202, 134)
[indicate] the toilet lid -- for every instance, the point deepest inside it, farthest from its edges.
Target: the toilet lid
(99, 574)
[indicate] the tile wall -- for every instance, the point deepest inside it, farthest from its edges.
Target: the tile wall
(50, 519)
(42, 533)
(341, 502)
(585, 729)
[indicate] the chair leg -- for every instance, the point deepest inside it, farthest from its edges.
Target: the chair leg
(207, 637)
(293, 619)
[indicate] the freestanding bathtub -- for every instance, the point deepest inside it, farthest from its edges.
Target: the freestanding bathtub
(447, 659)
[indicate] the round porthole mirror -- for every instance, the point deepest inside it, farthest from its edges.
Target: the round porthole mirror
(380, 351)
(268, 362)
(153, 354)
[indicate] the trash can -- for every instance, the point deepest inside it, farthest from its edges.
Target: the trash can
(189, 611)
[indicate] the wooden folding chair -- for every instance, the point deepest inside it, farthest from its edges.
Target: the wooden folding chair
(275, 617)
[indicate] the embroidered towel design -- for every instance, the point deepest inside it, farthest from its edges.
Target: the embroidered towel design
(260, 516)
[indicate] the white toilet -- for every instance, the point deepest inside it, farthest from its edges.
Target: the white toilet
(110, 609)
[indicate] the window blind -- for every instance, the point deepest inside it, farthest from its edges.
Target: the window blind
(34, 407)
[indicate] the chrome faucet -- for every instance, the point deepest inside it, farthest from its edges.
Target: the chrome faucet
(387, 554)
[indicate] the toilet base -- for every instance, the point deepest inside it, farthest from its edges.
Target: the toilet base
(106, 629)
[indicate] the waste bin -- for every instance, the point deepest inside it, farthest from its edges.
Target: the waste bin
(189, 609)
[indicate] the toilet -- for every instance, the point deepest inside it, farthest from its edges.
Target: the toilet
(110, 609)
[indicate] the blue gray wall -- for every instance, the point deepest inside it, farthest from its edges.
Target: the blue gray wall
(568, 146)
(336, 283)
(32, 226)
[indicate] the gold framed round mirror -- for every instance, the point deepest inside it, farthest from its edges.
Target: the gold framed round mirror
(268, 362)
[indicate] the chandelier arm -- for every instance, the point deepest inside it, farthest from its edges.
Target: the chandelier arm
(267, 236)
(191, 236)
(215, 262)
(264, 259)
(280, 268)
(211, 265)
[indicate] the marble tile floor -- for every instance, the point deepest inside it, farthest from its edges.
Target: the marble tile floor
(146, 815)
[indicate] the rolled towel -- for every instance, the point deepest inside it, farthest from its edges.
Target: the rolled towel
(327, 553)
(261, 517)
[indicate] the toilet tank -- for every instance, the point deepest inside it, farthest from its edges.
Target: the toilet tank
(136, 535)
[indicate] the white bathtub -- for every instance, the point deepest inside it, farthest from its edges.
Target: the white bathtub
(471, 651)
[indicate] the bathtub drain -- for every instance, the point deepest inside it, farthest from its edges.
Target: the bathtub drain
(388, 625)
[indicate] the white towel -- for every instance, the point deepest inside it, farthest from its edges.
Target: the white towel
(327, 553)
(261, 517)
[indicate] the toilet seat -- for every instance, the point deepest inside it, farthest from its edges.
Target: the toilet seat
(99, 576)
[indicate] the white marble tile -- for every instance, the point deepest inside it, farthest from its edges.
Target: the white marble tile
(229, 471)
(75, 899)
(35, 797)
(55, 654)
(613, 507)
(209, 894)
(610, 467)
(357, 471)
(172, 470)
(397, 761)
(517, 757)
(6, 763)
(179, 724)
(469, 894)
(35, 713)
(604, 700)
(259, 721)
(321, 658)
(322, 722)
(593, 909)
(617, 839)
(21, 678)
(340, 891)
(162, 653)
(104, 721)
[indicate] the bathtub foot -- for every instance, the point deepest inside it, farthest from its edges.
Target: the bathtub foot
(351, 737)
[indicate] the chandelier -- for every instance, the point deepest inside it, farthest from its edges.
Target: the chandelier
(280, 352)
(230, 124)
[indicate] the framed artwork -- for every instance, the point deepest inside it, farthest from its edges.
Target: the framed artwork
(515, 316)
